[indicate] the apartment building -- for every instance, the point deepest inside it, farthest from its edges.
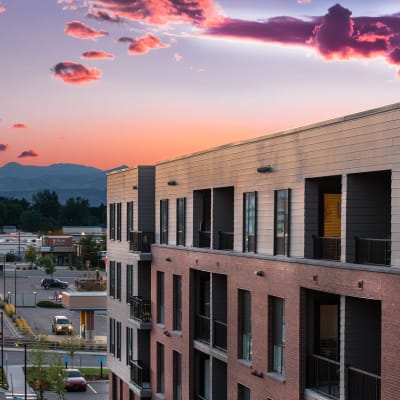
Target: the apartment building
(274, 272)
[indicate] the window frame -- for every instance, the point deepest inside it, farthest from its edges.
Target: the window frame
(245, 328)
(160, 297)
(279, 233)
(277, 335)
(177, 302)
(249, 222)
(164, 206)
(181, 221)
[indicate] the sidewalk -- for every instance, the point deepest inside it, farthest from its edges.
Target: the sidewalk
(16, 383)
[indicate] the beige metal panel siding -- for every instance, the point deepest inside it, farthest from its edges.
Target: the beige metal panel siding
(395, 258)
(349, 146)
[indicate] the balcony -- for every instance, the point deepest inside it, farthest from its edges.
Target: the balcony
(323, 376)
(219, 334)
(225, 240)
(140, 309)
(141, 241)
(202, 331)
(373, 251)
(140, 376)
(326, 248)
(363, 385)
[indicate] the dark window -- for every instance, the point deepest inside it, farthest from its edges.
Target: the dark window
(160, 297)
(131, 395)
(180, 221)
(129, 282)
(177, 302)
(249, 222)
(129, 344)
(119, 281)
(119, 340)
(177, 378)
(244, 392)
(282, 222)
(119, 221)
(112, 336)
(160, 368)
(112, 221)
(164, 221)
(277, 334)
(245, 332)
(112, 279)
(129, 219)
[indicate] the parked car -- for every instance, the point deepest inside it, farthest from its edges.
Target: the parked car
(62, 324)
(48, 283)
(75, 380)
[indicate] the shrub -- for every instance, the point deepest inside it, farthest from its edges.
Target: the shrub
(49, 304)
(9, 309)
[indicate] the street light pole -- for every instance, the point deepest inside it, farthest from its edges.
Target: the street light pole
(2, 349)
(25, 371)
(15, 287)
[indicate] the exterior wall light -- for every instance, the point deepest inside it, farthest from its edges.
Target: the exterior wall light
(264, 169)
(172, 183)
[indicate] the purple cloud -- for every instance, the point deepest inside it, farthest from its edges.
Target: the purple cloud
(28, 153)
(3, 146)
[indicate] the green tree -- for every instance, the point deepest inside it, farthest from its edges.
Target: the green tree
(56, 375)
(30, 220)
(37, 357)
(71, 345)
(47, 264)
(90, 248)
(76, 211)
(30, 255)
(47, 203)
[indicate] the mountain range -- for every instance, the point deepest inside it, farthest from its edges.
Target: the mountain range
(67, 180)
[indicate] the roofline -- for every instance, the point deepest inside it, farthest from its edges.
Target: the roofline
(333, 121)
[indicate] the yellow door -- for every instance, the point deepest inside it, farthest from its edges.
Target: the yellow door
(332, 213)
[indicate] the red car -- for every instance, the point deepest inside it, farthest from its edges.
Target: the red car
(75, 380)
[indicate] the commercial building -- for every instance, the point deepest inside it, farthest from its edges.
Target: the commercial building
(274, 272)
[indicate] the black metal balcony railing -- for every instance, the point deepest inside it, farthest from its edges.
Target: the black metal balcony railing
(140, 309)
(363, 385)
(323, 375)
(219, 334)
(204, 239)
(373, 251)
(202, 329)
(225, 240)
(326, 248)
(141, 241)
(140, 376)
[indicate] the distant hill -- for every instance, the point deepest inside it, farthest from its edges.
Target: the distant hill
(67, 180)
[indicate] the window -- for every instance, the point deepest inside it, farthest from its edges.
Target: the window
(112, 279)
(282, 222)
(129, 219)
(112, 221)
(180, 221)
(249, 221)
(119, 281)
(160, 297)
(129, 344)
(129, 282)
(164, 221)
(112, 336)
(160, 368)
(177, 288)
(118, 340)
(119, 211)
(244, 392)
(277, 334)
(177, 375)
(245, 339)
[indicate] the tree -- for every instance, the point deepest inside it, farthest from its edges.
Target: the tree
(47, 264)
(76, 211)
(56, 375)
(30, 255)
(37, 357)
(47, 203)
(30, 220)
(90, 248)
(71, 345)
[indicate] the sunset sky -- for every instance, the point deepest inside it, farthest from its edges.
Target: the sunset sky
(110, 82)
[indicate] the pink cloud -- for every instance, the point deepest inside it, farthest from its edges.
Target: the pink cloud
(335, 35)
(143, 44)
(104, 16)
(19, 126)
(80, 30)
(96, 54)
(177, 57)
(3, 146)
(159, 12)
(2, 9)
(28, 153)
(75, 74)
